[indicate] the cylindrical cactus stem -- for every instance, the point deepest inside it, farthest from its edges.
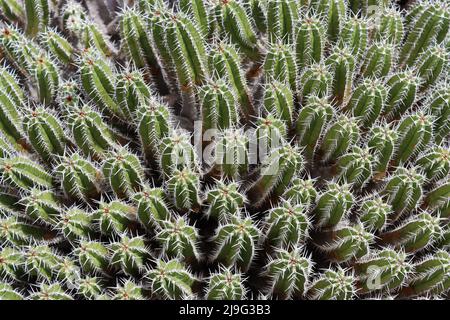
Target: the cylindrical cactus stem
(333, 285)
(68, 271)
(385, 269)
(179, 240)
(276, 172)
(224, 62)
(301, 191)
(72, 16)
(16, 232)
(91, 134)
(311, 122)
(124, 172)
(435, 163)
(231, 153)
(176, 152)
(355, 167)
(45, 133)
(37, 13)
(279, 101)
(198, 11)
(131, 92)
(333, 205)
(171, 280)
(270, 132)
(151, 207)
(258, 12)
(46, 76)
(403, 88)
(52, 292)
(79, 177)
(41, 206)
(378, 60)
(41, 262)
(309, 42)
(374, 213)
(218, 106)
(99, 80)
(76, 224)
(282, 16)
(432, 275)
(429, 25)
(390, 27)
(235, 23)
(9, 204)
(10, 117)
(128, 290)
(187, 49)
(224, 201)
(289, 273)
(439, 198)
(129, 255)
(12, 9)
(11, 39)
(9, 84)
(415, 132)
(342, 65)
(7, 292)
(58, 46)
(382, 143)
(11, 263)
(403, 190)
(339, 137)
(90, 288)
(226, 285)
(345, 242)
(154, 124)
(416, 233)
(183, 186)
(6, 148)
(287, 225)
(280, 65)
(355, 36)
(367, 101)
(68, 96)
(236, 243)
(114, 217)
(136, 40)
(439, 108)
(92, 256)
(334, 12)
(432, 65)
(92, 37)
(23, 173)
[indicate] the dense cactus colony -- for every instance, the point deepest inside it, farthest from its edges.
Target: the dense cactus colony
(224, 149)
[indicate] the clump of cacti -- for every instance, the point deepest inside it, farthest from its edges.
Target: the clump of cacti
(224, 149)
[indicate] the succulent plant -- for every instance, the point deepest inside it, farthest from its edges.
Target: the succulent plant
(221, 150)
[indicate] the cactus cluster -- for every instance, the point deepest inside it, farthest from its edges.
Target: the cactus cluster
(225, 149)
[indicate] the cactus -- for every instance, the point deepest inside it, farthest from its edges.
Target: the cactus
(333, 285)
(403, 190)
(287, 225)
(178, 239)
(328, 148)
(129, 255)
(225, 285)
(183, 187)
(171, 280)
(236, 242)
(346, 242)
(124, 172)
(333, 205)
(289, 272)
(79, 178)
(385, 269)
(224, 201)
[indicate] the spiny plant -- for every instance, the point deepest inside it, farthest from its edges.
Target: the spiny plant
(225, 149)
